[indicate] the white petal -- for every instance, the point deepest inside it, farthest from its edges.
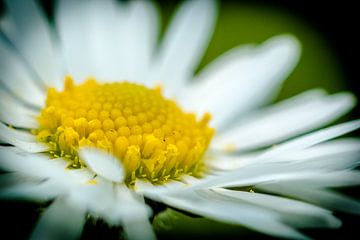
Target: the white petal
(243, 80)
(308, 167)
(264, 164)
(9, 179)
(264, 172)
(212, 205)
(22, 135)
(336, 154)
(285, 120)
(311, 139)
(316, 158)
(16, 114)
(341, 146)
(96, 198)
(107, 40)
(135, 216)
(155, 192)
(253, 174)
(78, 176)
(100, 23)
(60, 221)
(21, 139)
(117, 206)
(72, 21)
(7, 26)
(184, 44)
(16, 77)
(322, 180)
(224, 162)
(322, 197)
(138, 40)
(334, 179)
(35, 191)
(102, 163)
(34, 39)
(297, 212)
(31, 164)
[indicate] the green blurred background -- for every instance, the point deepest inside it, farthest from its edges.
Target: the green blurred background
(325, 32)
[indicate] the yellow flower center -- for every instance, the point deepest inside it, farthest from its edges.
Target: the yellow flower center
(150, 135)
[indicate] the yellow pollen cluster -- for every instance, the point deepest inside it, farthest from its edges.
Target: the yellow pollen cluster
(149, 134)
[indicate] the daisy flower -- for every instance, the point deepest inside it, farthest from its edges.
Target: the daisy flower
(100, 121)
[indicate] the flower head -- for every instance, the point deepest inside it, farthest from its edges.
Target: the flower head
(97, 119)
(151, 136)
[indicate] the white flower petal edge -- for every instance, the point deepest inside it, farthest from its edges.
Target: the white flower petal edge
(135, 215)
(209, 204)
(12, 67)
(15, 113)
(264, 160)
(233, 84)
(20, 139)
(340, 153)
(117, 205)
(139, 38)
(286, 119)
(74, 35)
(102, 163)
(60, 221)
(292, 209)
(289, 178)
(105, 40)
(43, 179)
(184, 45)
(324, 197)
(35, 40)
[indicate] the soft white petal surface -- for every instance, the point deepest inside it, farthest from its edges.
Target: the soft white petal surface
(184, 44)
(60, 221)
(155, 192)
(35, 191)
(341, 153)
(73, 21)
(138, 38)
(34, 39)
(312, 139)
(212, 205)
(243, 79)
(263, 168)
(15, 113)
(20, 139)
(10, 179)
(102, 163)
(117, 205)
(296, 212)
(106, 39)
(323, 197)
(342, 178)
(31, 164)
(102, 27)
(16, 77)
(135, 215)
(284, 120)
(7, 26)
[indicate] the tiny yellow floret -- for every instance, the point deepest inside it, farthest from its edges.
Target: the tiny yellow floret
(150, 135)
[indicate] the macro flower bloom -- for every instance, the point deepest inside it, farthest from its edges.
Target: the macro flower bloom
(96, 118)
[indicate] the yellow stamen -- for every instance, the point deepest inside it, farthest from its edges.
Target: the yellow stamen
(149, 134)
